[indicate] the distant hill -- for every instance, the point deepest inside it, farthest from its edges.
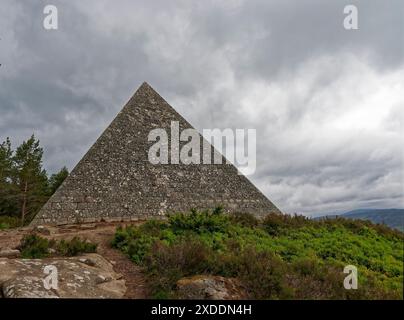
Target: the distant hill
(394, 218)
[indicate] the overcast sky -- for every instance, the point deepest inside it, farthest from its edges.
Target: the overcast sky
(327, 103)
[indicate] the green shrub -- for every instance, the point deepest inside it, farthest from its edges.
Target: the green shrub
(153, 227)
(277, 224)
(280, 257)
(166, 264)
(74, 247)
(7, 222)
(218, 210)
(33, 246)
(244, 219)
(138, 247)
(358, 226)
(123, 236)
(199, 222)
(263, 274)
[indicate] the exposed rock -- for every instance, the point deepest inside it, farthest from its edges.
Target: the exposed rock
(42, 230)
(87, 261)
(9, 253)
(76, 278)
(88, 226)
(210, 287)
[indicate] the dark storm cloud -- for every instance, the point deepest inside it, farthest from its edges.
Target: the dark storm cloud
(326, 102)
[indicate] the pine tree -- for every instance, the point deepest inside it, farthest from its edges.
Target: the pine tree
(5, 160)
(30, 178)
(8, 205)
(57, 179)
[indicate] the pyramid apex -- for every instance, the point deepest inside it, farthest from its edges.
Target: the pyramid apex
(146, 88)
(145, 85)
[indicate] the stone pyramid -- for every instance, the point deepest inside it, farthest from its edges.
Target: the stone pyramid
(116, 182)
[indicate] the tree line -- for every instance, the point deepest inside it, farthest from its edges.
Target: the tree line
(25, 186)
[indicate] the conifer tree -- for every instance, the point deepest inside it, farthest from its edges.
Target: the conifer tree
(29, 177)
(7, 191)
(57, 179)
(5, 161)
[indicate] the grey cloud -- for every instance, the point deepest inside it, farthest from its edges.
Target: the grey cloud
(282, 67)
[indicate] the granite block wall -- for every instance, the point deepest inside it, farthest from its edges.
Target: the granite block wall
(116, 181)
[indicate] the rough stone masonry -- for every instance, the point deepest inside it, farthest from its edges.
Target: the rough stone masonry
(116, 182)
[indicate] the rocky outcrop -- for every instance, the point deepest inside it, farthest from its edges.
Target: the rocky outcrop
(42, 230)
(9, 253)
(87, 276)
(210, 287)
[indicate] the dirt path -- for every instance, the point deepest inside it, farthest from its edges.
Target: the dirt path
(100, 233)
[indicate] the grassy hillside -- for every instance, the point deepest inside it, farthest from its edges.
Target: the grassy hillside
(282, 257)
(394, 218)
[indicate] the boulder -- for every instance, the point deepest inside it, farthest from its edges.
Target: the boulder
(87, 276)
(211, 288)
(42, 230)
(9, 253)
(88, 226)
